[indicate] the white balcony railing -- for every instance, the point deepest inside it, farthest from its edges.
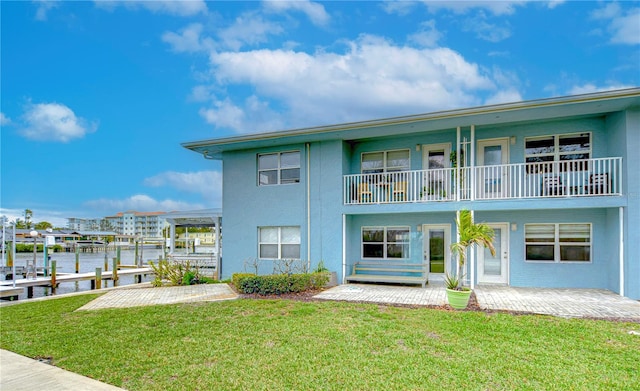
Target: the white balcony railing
(571, 178)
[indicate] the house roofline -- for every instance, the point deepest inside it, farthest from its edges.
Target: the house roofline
(438, 115)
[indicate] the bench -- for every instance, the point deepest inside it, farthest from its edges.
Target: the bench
(390, 272)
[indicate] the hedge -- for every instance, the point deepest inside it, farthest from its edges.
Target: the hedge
(277, 284)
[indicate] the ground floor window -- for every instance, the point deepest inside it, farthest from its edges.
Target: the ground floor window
(558, 242)
(385, 242)
(279, 242)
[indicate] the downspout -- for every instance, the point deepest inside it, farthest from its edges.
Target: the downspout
(621, 230)
(344, 247)
(308, 147)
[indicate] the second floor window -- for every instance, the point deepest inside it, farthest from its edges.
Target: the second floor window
(279, 168)
(385, 161)
(558, 148)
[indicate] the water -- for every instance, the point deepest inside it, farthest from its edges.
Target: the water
(66, 263)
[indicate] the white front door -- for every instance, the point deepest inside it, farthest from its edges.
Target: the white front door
(437, 180)
(493, 179)
(495, 269)
(437, 239)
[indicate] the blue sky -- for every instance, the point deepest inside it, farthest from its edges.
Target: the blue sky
(96, 97)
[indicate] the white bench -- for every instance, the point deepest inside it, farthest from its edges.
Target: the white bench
(391, 272)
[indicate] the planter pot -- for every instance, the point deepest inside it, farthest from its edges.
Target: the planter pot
(458, 299)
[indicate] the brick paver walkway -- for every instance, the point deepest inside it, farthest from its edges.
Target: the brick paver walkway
(386, 294)
(569, 303)
(595, 303)
(167, 295)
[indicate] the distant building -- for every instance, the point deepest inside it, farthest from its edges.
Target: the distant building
(148, 225)
(78, 224)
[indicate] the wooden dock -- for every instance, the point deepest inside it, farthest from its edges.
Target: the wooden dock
(8, 291)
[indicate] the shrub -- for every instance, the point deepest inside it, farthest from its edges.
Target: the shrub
(277, 284)
(177, 273)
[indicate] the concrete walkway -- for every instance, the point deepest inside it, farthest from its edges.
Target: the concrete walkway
(22, 373)
(19, 373)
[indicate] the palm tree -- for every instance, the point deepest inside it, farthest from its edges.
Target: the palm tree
(470, 235)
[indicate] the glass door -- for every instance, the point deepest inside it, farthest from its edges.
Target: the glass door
(436, 183)
(437, 239)
(494, 269)
(492, 175)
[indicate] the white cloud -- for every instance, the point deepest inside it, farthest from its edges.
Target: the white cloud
(57, 218)
(4, 120)
(206, 183)
(140, 203)
(44, 6)
(484, 30)
(177, 8)
(253, 116)
(54, 122)
(314, 11)
(589, 88)
(248, 29)
(188, 40)
(461, 7)
(372, 79)
(427, 36)
(623, 26)
(504, 96)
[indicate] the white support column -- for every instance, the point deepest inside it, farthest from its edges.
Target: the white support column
(472, 164)
(344, 247)
(457, 241)
(217, 235)
(472, 256)
(172, 238)
(457, 174)
(621, 254)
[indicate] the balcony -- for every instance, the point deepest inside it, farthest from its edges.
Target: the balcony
(569, 178)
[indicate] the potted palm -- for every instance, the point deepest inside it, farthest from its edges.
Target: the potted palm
(471, 234)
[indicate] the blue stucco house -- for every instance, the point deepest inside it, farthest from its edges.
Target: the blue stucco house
(558, 179)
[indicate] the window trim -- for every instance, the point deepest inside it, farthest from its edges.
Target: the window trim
(557, 244)
(279, 168)
(384, 160)
(385, 243)
(279, 242)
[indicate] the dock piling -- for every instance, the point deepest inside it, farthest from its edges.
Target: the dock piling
(97, 283)
(77, 259)
(115, 272)
(53, 276)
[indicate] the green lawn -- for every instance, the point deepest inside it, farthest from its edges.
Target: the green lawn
(289, 345)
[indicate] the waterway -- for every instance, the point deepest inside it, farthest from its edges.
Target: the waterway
(88, 262)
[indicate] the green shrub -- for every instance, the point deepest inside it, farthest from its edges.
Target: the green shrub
(177, 273)
(278, 284)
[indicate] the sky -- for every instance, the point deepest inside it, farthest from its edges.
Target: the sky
(97, 96)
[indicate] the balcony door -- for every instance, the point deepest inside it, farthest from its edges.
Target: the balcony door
(437, 178)
(492, 174)
(495, 269)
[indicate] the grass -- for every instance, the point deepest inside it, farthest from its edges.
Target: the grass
(291, 345)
